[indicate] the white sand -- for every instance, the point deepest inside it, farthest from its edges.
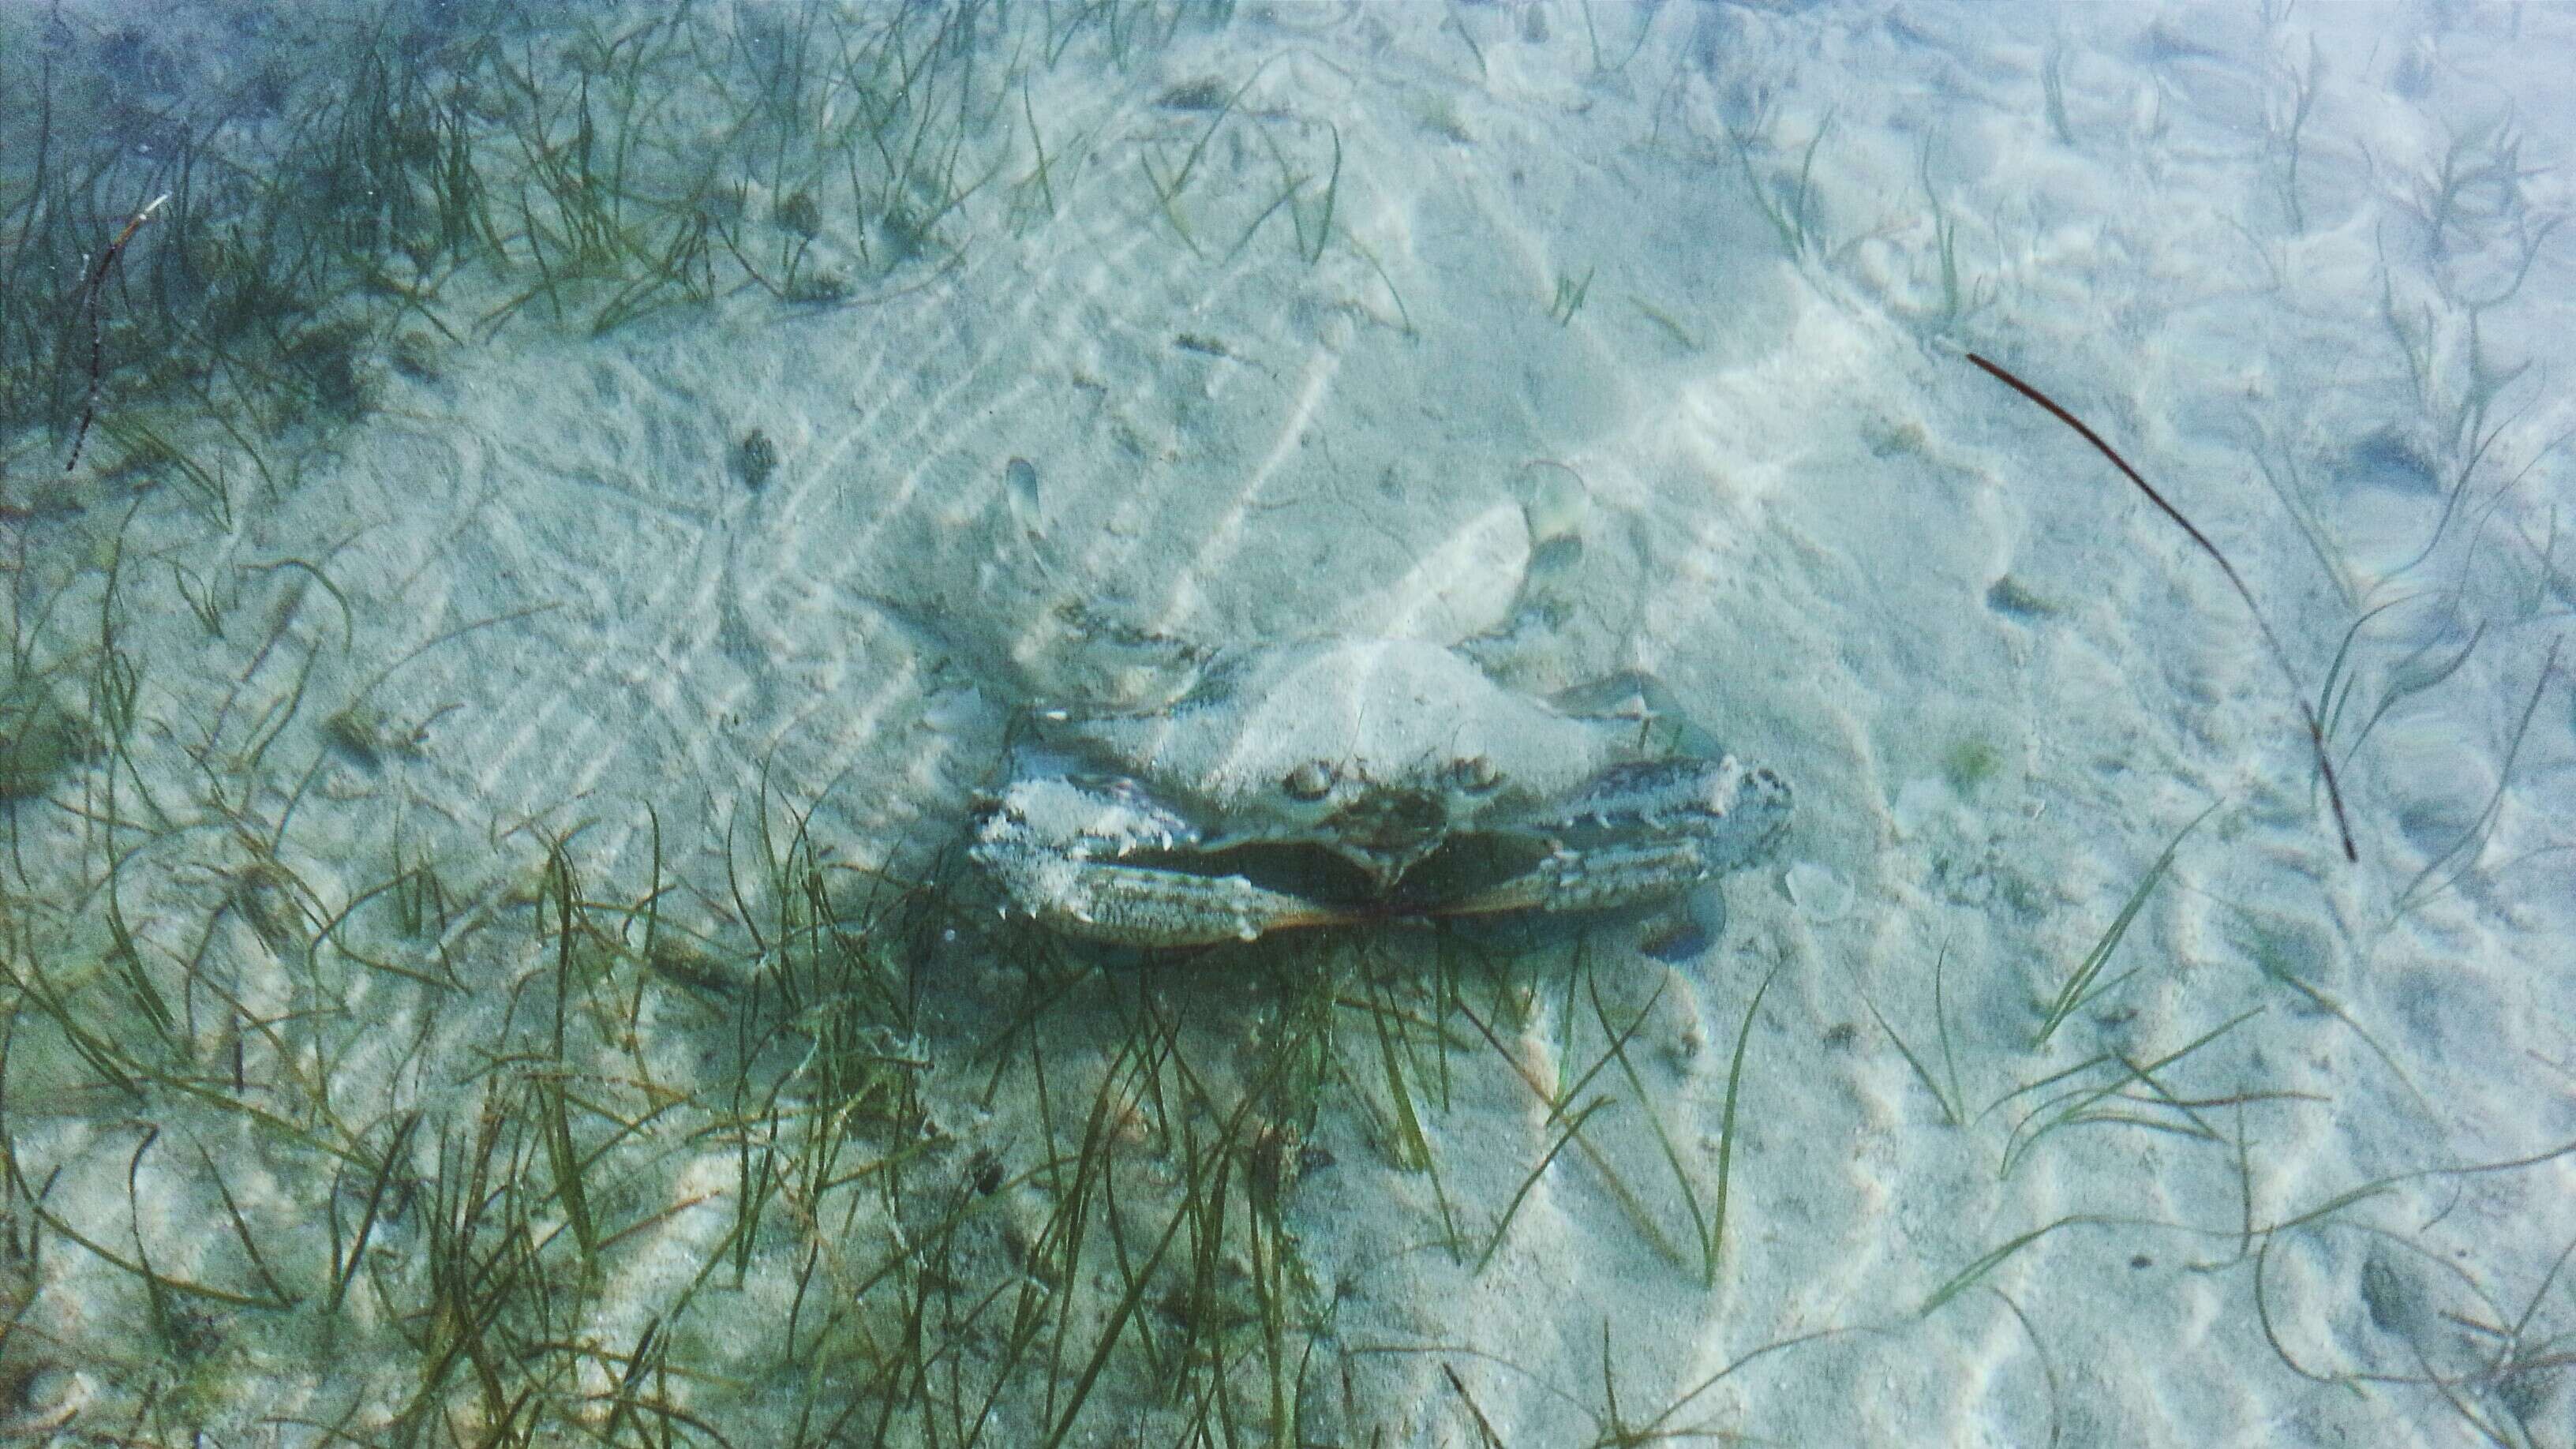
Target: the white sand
(1802, 505)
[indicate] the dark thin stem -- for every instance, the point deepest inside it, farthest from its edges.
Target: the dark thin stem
(2272, 641)
(97, 334)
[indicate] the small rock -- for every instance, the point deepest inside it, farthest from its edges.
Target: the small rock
(755, 458)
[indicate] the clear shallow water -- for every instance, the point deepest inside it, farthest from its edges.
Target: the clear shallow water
(497, 701)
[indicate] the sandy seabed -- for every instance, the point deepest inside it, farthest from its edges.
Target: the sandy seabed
(508, 972)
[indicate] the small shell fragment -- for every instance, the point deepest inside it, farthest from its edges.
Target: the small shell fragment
(1020, 476)
(1556, 504)
(1554, 509)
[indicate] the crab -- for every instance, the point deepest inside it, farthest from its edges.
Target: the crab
(1352, 781)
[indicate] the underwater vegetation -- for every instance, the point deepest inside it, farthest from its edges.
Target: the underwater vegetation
(260, 245)
(439, 1119)
(40, 738)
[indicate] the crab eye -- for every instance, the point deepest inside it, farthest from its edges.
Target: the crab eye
(1474, 774)
(1312, 780)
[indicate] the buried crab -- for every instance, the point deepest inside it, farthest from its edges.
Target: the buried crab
(1344, 782)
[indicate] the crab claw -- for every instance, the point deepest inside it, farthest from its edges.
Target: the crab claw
(1146, 906)
(1058, 848)
(1644, 833)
